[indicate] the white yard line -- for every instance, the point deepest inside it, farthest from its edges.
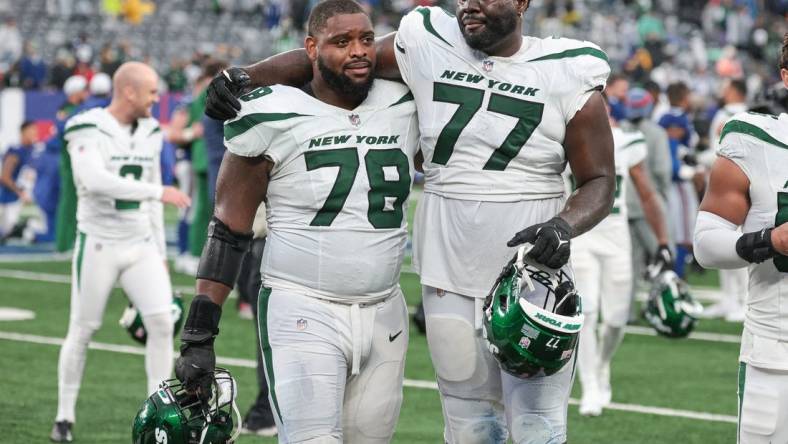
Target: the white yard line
(413, 383)
(66, 279)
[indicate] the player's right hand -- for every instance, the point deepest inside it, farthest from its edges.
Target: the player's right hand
(780, 239)
(220, 102)
(194, 368)
(174, 196)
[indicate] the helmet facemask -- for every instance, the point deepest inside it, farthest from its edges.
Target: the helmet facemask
(186, 419)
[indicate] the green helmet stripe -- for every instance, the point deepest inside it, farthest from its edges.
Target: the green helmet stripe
(262, 320)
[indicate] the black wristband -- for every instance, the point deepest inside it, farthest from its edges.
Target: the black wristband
(202, 325)
(756, 247)
(223, 253)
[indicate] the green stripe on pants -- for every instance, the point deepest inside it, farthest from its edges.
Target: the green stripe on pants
(80, 256)
(262, 321)
(742, 374)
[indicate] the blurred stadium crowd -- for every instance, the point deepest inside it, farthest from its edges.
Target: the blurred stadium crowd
(681, 67)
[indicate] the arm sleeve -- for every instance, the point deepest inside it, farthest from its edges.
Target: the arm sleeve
(715, 242)
(91, 172)
(157, 214)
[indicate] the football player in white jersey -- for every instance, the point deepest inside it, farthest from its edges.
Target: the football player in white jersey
(601, 260)
(500, 114)
(749, 188)
(334, 161)
(115, 158)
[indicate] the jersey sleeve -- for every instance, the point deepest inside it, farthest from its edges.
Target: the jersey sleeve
(251, 133)
(405, 43)
(736, 148)
(590, 69)
(413, 42)
(637, 151)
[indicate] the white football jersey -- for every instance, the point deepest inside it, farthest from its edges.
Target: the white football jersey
(117, 175)
(492, 128)
(338, 192)
(492, 132)
(758, 144)
(630, 150)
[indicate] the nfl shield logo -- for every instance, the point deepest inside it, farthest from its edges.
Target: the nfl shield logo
(301, 324)
(566, 354)
(487, 65)
(355, 119)
(525, 342)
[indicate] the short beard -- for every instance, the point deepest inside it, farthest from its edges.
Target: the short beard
(343, 85)
(495, 30)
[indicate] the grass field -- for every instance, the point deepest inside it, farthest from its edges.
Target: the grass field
(665, 391)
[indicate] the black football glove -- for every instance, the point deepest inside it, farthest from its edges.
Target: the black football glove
(194, 368)
(663, 259)
(220, 102)
(550, 242)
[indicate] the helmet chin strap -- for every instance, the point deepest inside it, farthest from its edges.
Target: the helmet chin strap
(519, 264)
(222, 389)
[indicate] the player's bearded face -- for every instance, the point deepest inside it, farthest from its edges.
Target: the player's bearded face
(485, 23)
(342, 83)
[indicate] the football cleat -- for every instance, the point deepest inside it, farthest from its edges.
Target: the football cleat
(526, 337)
(670, 308)
(131, 320)
(61, 432)
(175, 416)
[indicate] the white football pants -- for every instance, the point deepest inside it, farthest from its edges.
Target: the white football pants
(97, 265)
(763, 403)
(334, 370)
(602, 264)
(480, 401)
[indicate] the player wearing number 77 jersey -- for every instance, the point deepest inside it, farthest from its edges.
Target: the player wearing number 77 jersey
(500, 114)
(749, 188)
(115, 158)
(334, 160)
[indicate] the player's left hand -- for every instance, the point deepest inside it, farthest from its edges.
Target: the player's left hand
(220, 101)
(663, 259)
(550, 242)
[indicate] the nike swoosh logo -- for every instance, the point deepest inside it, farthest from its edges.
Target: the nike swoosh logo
(400, 48)
(392, 338)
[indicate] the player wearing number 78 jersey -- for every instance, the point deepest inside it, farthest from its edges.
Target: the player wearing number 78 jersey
(334, 160)
(749, 188)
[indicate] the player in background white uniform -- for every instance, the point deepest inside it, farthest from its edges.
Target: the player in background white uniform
(749, 188)
(733, 283)
(601, 260)
(500, 115)
(115, 158)
(335, 162)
